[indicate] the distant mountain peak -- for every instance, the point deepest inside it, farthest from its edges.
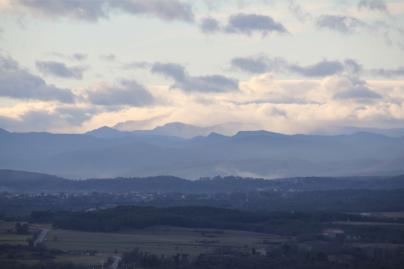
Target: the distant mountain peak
(216, 135)
(105, 132)
(3, 131)
(181, 129)
(258, 133)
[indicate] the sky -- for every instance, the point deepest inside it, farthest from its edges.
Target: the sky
(285, 66)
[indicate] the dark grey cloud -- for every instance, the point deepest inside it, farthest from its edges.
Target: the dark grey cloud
(358, 91)
(320, 69)
(259, 64)
(246, 24)
(254, 65)
(78, 9)
(186, 82)
(389, 73)
(59, 69)
(210, 25)
(262, 64)
(339, 23)
(18, 83)
(252, 23)
(125, 93)
(175, 71)
(374, 5)
(353, 67)
(168, 10)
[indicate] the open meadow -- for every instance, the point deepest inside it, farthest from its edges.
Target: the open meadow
(160, 240)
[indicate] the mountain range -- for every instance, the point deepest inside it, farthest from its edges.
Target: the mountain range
(177, 129)
(188, 151)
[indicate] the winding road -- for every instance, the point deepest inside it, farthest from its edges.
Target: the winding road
(41, 237)
(115, 263)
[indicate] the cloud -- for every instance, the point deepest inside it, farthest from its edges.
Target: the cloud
(209, 25)
(320, 69)
(18, 83)
(143, 124)
(374, 5)
(92, 11)
(338, 23)
(252, 23)
(41, 119)
(351, 88)
(255, 65)
(263, 101)
(79, 56)
(77, 9)
(298, 11)
(261, 64)
(125, 93)
(390, 31)
(175, 71)
(59, 69)
(168, 10)
(389, 73)
(278, 112)
(357, 93)
(137, 65)
(108, 57)
(246, 24)
(186, 82)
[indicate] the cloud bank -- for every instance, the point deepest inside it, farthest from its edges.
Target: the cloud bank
(124, 93)
(92, 11)
(186, 82)
(59, 69)
(18, 83)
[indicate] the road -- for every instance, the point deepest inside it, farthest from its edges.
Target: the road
(41, 237)
(117, 260)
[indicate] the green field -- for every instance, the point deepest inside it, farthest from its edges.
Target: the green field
(159, 240)
(10, 238)
(156, 240)
(83, 259)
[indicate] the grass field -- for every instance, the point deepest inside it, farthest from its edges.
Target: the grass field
(156, 240)
(83, 259)
(159, 240)
(10, 238)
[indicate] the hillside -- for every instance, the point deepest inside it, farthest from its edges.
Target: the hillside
(19, 181)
